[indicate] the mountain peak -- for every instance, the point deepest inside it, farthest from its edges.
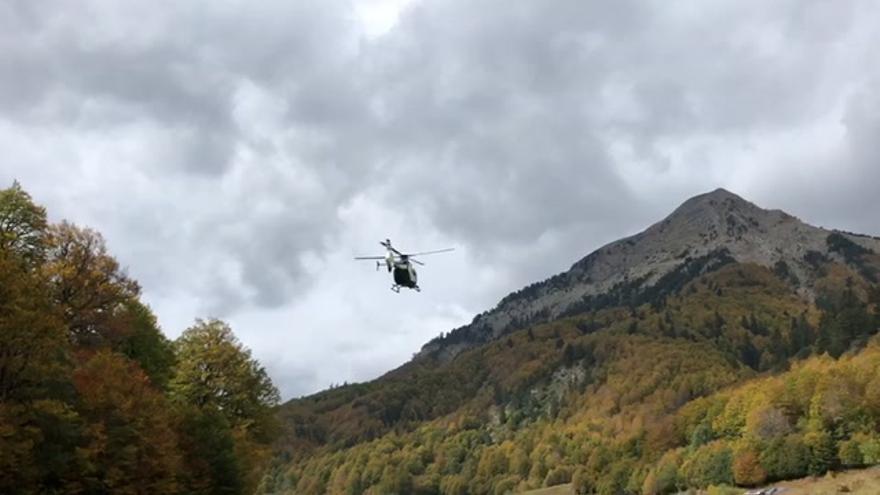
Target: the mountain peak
(722, 196)
(721, 192)
(707, 231)
(720, 214)
(718, 200)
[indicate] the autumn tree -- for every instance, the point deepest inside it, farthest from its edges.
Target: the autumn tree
(131, 447)
(33, 347)
(87, 284)
(37, 424)
(86, 377)
(747, 469)
(767, 422)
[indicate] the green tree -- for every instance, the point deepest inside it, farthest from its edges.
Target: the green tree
(38, 442)
(711, 464)
(664, 478)
(453, 485)
(558, 476)
(800, 334)
(850, 454)
(616, 479)
(22, 224)
(843, 323)
(702, 434)
(395, 481)
(211, 466)
(145, 343)
(869, 446)
(582, 482)
(216, 371)
(785, 458)
(216, 374)
(823, 452)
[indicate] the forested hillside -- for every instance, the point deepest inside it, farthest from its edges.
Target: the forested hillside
(722, 372)
(93, 397)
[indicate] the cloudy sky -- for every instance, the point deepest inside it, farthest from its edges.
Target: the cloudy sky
(237, 154)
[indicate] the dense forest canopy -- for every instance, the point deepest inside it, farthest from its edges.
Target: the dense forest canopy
(93, 397)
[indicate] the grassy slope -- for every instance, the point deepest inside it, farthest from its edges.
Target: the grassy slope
(565, 489)
(855, 481)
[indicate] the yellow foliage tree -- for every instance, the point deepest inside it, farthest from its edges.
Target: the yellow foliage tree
(87, 284)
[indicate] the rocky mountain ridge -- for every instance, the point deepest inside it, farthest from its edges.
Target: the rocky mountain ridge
(704, 233)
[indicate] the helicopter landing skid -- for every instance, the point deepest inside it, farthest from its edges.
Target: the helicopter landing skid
(396, 288)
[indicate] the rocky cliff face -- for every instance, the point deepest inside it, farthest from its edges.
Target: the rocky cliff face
(705, 232)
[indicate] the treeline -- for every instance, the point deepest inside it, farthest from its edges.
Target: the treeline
(623, 400)
(93, 397)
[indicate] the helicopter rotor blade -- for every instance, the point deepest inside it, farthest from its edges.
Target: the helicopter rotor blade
(416, 261)
(369, 257)
(387, 245)
(423, 253)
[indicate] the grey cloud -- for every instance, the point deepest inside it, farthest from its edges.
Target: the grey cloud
(173, 74)
(498, 125)
(502, 113)
(176, 66)
(862, 120)
(294, 381)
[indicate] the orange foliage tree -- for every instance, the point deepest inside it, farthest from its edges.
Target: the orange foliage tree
(131, 445)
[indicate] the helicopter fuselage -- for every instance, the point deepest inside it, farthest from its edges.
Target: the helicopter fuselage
(405, 275)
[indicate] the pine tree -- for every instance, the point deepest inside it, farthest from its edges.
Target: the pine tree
(823, 453)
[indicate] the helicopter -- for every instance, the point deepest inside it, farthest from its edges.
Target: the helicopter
(401, 264)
